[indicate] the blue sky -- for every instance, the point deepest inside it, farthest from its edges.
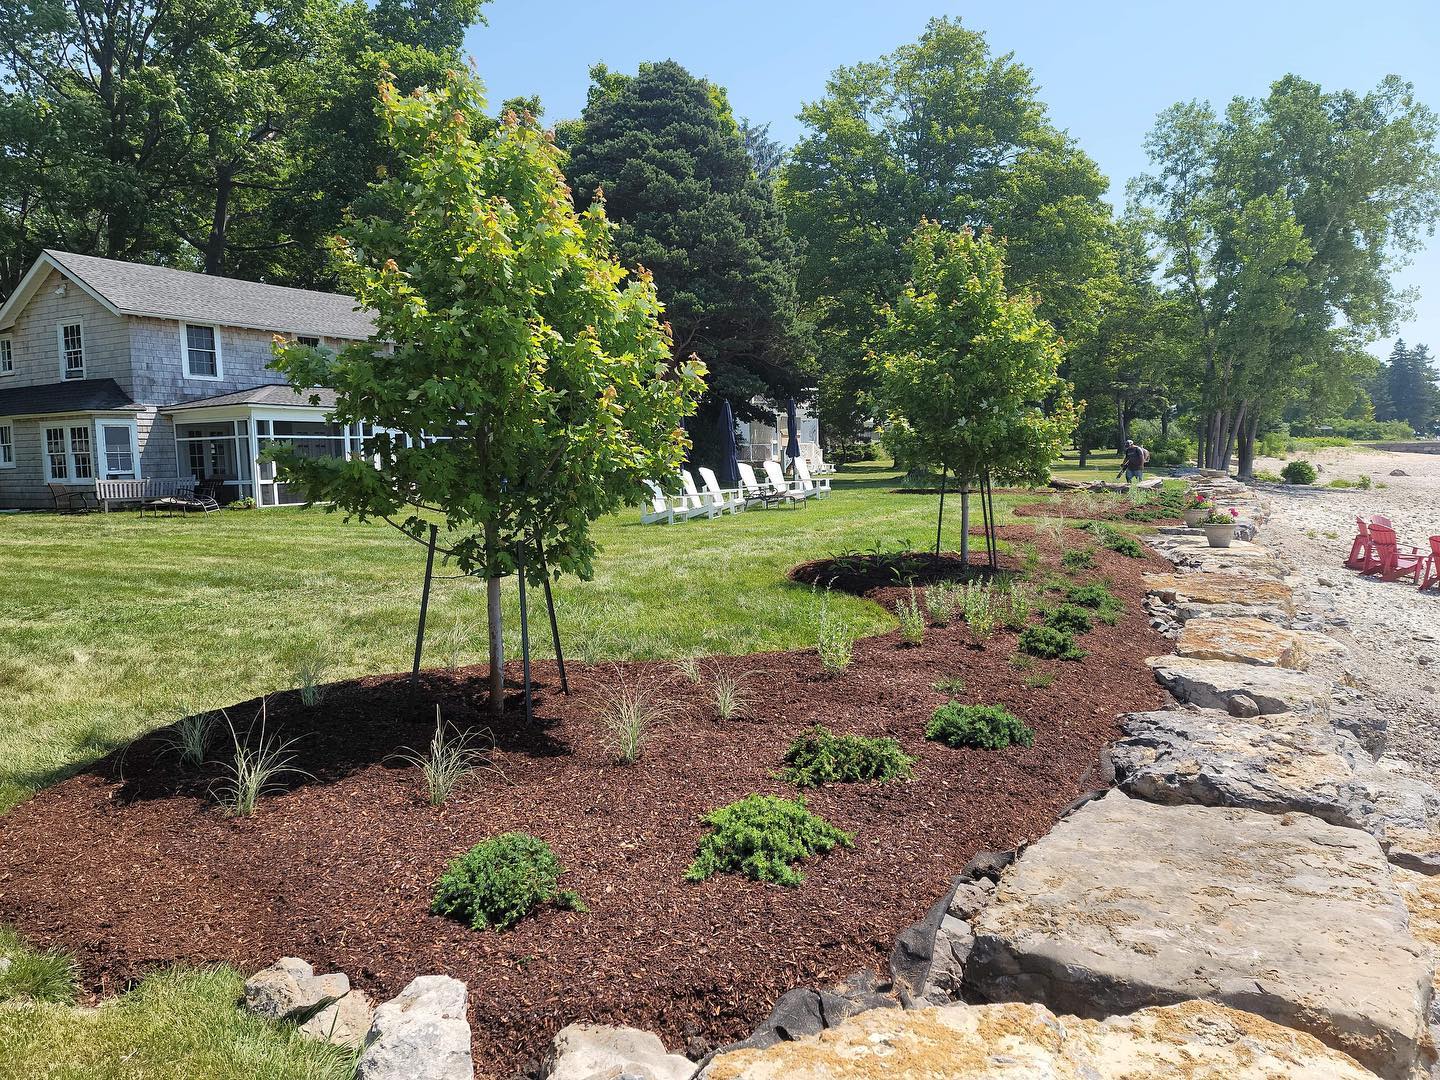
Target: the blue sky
(1104, 68)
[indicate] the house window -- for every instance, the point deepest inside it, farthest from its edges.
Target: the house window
(117, 442)
(308, 342)
(7, 356)
(7, 446)
(201, 346)
(72, 351)
(68, 455)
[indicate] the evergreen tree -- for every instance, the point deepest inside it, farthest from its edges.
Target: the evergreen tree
(665, 150)
(766, 154)
(1410, 384)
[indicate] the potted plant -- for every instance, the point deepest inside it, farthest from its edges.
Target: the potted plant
(1196, 509)
(1220, 528)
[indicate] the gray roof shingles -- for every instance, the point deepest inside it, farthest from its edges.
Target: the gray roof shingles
(161, 292)
(269, 394)
(79, 395)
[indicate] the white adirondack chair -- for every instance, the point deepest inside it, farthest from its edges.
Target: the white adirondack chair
(695, 502)
(821, 487)
(792, 492)
(731, 500)
(662, 509)
(751, 488)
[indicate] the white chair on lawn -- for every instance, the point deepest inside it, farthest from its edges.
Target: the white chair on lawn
(751, 490)
(791, 491)
(695, 502)
(726, 499)
(661, 509)
(821, 487)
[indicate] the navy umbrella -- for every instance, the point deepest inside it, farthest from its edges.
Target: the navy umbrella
(729, 455)
(792, 448)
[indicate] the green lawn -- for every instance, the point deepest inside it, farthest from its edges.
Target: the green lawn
(117, 625)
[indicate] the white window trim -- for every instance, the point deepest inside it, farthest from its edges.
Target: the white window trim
(97, 452)
(185, 354)
(69, 477)
(60, 343)
(9, 339)
(8, 423)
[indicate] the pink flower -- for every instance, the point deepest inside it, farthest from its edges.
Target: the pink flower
(1234, 513)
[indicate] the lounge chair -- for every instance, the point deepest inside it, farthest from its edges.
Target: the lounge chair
(821, 487)
(727, 499)
(694, 500)
(1396, 560)
(68, 500)
(1432, 574)
(758, 494)
(662, 509)
(1362, 551)
(793, 490)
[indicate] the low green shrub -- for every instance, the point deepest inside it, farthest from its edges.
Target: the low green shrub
(1039, 680)
(46, 975)
(1096, 596)
(761, 836)
(1071, 618)
(1265, 476)
(986, 727)
(851, 453)
(1117, 541)
(501, 880)
(1049, 643)
(820, 757)
(1298, 471)
(912, 619)
(949, 684)
(940, 603)
(1078, 559)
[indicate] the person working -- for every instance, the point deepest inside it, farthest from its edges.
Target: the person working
(1135, 458)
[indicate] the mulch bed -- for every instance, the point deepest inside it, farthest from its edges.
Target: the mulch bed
(130, 867)
(1064, 506)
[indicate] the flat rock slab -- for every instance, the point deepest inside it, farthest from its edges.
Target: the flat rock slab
(1029, 1042)
(1214, 684)
(1253, 641)
(1275, 764)
(1220, 588)
(1126, 905)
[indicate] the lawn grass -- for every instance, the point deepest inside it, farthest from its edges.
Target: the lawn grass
(117, 625)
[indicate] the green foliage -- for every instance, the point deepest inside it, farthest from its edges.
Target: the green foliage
(986, 727)
(833, 641)
(671, 161)
(761, 836)
(853, 453)
(628, 715)
(451, 758)
(190, 737)
(949, 684)
(1016, 604)
(257, 766)
(1298, 471)
(727, 694)
(1048, 643)
(977, 605)
(501, 880)
(308, 660)
(940, 603)
(1039, 680)
(821, 757)
(912, 619)
(34, 974)
(1078, 559)
(1273, 444)
(1115, 540)
(1069, 618)
(1097, 597)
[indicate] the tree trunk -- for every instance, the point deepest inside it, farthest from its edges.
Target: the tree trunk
(219, 222)
(497, 640)
(1120, 420)
(1084, 448)
(1164, 424)
(1247, 449)
(965, 524)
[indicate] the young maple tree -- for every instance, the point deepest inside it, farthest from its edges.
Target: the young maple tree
(520, 385)
(967, 374)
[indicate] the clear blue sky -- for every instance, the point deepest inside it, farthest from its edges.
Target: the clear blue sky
(1104, 68)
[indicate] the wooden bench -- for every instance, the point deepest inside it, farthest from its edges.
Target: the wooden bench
(142, 491)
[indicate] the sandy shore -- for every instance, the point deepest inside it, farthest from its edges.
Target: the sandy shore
(1393, 629)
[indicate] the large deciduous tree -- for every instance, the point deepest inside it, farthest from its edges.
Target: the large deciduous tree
(531, 387)
(941, 129)
(966, 373)
(667, 153)
(1282, 222)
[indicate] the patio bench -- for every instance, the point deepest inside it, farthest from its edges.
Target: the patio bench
(142, 491)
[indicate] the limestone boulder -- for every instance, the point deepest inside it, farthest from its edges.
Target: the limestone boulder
(1015, 1041)
(1253, 641)
(290, 990)
(1127, 905)
(601, 1052)
(1220, 588)
(421, 1034)
(1213, 684)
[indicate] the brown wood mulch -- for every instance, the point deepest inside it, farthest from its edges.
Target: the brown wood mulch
(1063, 506)
(130, 867)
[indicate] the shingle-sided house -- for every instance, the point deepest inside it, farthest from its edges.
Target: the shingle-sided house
(117, 370)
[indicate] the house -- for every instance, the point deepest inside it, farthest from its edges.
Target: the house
(765, 440)
(117, 370)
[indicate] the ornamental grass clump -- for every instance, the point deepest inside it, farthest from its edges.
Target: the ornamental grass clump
(256, 767)
(189, 739)
(501, 880)
(761, 836)
(451, 758)
(820, 756)
(1049, 643)
(833, 642)
(1071, 618)
(727, 694)
(309, 663)
(983, 727)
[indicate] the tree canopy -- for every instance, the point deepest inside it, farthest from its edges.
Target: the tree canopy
(665, 150)
(531, 385)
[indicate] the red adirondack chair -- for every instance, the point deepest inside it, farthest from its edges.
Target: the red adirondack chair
(1396, 560)
(1361, 551)
(1432, 573)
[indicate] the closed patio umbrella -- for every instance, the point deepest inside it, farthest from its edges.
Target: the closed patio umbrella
(729, 455)
(792, 448)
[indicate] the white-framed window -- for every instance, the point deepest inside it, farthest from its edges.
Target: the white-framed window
(200, 348)
(68, 454)
(307, 341)
(71, 338)
(7, 446)
(117, 449)
(7, 355)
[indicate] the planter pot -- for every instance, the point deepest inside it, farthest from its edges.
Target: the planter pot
(1194, 517)
(1220, 535)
